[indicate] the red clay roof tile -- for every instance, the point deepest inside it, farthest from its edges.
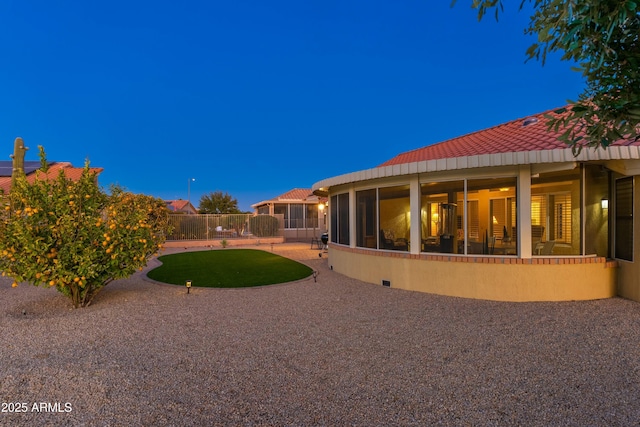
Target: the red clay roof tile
(524, 134)
(296, 194)
(180, 206)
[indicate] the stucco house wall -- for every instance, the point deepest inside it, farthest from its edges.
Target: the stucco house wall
(491, 278)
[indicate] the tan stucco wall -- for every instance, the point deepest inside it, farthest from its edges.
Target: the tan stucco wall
(491, 278)
(629, 279)
(629, 274)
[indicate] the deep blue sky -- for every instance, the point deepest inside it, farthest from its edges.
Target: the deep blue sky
(253, 97)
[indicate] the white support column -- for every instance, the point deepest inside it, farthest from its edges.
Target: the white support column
(328, 209)
(465, 218)
(414, 210)
(352, 217)
(524, 211)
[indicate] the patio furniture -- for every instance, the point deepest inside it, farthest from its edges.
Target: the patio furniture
(431, 244)
(388, 241)
(546, 248)
(316, 241)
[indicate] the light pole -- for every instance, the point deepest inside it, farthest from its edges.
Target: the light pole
(189, 189)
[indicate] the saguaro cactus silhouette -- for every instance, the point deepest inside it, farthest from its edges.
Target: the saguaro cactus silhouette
(19, 151)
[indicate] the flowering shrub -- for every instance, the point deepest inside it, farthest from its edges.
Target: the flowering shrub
(74, 236)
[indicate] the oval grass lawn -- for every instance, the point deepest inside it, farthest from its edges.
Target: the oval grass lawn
(228, 268)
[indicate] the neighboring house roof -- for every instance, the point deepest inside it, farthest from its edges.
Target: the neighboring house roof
(180, 206)
(524, 141)
(70, 172)
(295, 195)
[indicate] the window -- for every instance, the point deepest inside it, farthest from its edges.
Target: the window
(367, 218)
(551, 217)
(498, 216)
(562, 226)
(334, 219)
(596, 217)
(297, 215)
(491, 221)
(343, 219)
(296, 219)
(395, 218)
(441, 213)
(555, 213)
(281, 209)
(311, 216)
(473, 222)
(502, 217)
(340, 219)
(624, 219)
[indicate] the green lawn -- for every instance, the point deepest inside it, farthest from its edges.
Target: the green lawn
(228, 268)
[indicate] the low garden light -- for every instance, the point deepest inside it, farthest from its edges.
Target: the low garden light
(188, 284)
(315, 275)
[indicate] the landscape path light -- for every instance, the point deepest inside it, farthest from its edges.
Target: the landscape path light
(188, 284)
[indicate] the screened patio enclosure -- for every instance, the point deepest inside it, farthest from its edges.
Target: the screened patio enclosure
(480, 216)
(304, 214)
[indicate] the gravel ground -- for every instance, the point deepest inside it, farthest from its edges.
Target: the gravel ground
(332, 353)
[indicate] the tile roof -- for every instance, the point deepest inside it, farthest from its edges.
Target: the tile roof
(524, 134)
(70, 172)
(177, 205)
(296, 194)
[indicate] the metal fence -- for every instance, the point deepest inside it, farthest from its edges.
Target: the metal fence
(302, 234)
(225, 226)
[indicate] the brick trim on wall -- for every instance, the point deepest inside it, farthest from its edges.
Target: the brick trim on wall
(481, 259)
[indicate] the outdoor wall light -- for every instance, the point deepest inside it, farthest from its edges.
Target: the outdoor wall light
(188, 285)
(604, 203)
(321, 206)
